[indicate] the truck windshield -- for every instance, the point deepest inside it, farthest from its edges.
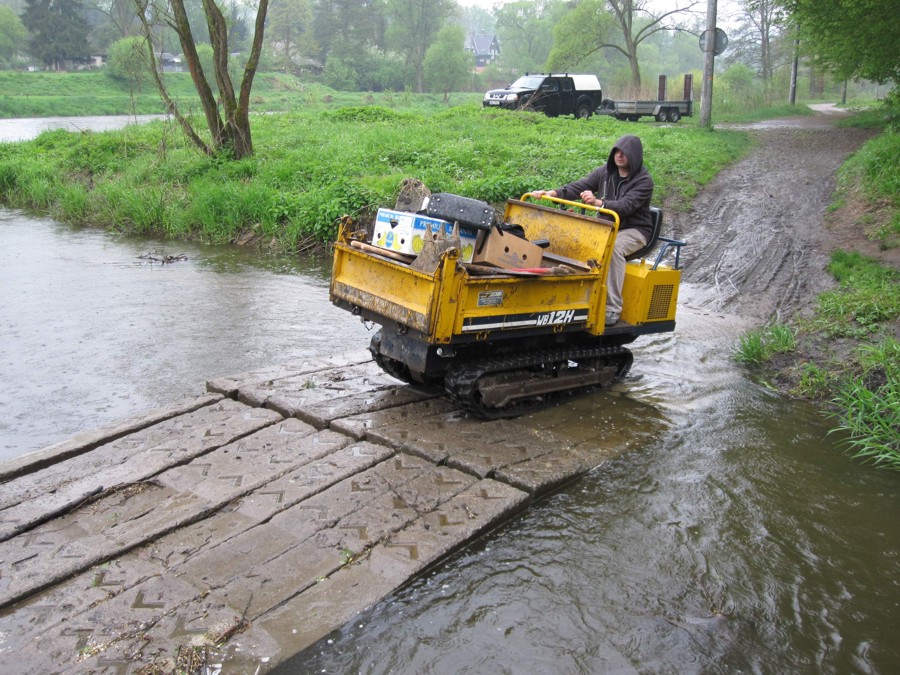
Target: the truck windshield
(527, 82)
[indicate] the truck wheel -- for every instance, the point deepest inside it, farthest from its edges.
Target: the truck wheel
(674, 115)
(583, 111)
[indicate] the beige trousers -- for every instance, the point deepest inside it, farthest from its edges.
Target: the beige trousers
(627, 241)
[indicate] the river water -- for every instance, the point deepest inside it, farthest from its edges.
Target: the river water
(729, 533)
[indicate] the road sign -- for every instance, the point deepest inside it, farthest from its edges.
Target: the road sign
(720, 45)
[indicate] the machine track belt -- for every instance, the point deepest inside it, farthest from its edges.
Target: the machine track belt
(463, 381)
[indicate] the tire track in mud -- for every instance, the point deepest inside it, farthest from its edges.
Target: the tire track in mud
(758, 245)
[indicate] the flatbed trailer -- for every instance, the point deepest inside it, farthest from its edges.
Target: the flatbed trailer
(662, 110)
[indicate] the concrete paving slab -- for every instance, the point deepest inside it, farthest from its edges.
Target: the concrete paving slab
(128, 460)
(229, 534)
(292, 395)
(88, 440)
(311, 479)
(358, 425)
(302, 621)
(33, 619)
(323, 413)
(229, 385)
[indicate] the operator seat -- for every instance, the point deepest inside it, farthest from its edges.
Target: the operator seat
(656, 219)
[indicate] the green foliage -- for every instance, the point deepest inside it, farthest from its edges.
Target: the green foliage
(874, 172)
(58, 31)
(128, 60)
(869, 295)
(447, 63)
(853, 38)
(758, 346)
(12, 34)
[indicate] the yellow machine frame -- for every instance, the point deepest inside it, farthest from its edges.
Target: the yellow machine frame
(451, 305)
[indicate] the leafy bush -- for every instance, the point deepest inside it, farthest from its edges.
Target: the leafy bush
(128, 60)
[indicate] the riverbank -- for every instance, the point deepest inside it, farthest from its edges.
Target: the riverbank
(68, 94)
(836, 345)
(311, 168)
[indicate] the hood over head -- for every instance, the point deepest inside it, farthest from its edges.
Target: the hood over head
(634, 151)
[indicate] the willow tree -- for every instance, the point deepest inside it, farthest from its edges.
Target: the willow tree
(619, 25)
(228, 117)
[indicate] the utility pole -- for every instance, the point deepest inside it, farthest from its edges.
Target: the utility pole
(795, 62)
(709, 66)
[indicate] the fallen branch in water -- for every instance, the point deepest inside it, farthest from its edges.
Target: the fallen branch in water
(165, 260)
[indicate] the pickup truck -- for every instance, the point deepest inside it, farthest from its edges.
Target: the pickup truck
(553, 94)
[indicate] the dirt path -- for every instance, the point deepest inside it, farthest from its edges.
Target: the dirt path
(758, 242)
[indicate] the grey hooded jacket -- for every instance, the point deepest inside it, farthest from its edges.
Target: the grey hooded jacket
(631, 198)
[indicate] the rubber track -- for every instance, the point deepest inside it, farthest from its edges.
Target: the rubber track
(461, 382)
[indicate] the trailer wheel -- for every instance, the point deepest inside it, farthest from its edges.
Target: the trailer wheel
(661, 116)
(634, 118)
(583, 111)
(674, 115)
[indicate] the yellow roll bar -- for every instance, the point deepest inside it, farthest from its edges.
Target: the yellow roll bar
(577, 205)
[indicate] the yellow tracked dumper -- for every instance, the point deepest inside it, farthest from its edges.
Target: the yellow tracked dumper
(503, 341)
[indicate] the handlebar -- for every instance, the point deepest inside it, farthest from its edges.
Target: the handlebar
(577, 205)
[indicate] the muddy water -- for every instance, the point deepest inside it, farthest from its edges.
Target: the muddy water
(90, 332)
(732, 535)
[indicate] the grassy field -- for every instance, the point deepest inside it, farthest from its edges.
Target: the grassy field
(48, 94)
(311, 167)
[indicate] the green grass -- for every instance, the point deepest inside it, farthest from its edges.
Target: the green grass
(66, 94)
(311, 167)
(758, 346)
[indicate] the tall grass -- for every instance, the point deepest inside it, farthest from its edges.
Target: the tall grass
(869, 405)
(312, 167)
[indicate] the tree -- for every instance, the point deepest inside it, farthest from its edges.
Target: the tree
(127, 60)
(348, 33)
(289, 31)
(755, 40)
(447, 64)
(620, 25)
(13, 34)
(851, 38)
(229, 128)
(58, 31)
(412, 28)
(525, 32)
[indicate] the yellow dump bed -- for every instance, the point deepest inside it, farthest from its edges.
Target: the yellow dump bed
(456, 304)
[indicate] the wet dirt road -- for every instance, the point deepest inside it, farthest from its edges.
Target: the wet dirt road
(757, 242)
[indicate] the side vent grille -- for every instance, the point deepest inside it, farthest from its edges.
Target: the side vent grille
(659, 302)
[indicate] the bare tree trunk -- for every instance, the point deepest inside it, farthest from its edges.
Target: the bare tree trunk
(232, 131)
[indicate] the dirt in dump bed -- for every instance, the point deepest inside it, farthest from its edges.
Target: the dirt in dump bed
(759, 235)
